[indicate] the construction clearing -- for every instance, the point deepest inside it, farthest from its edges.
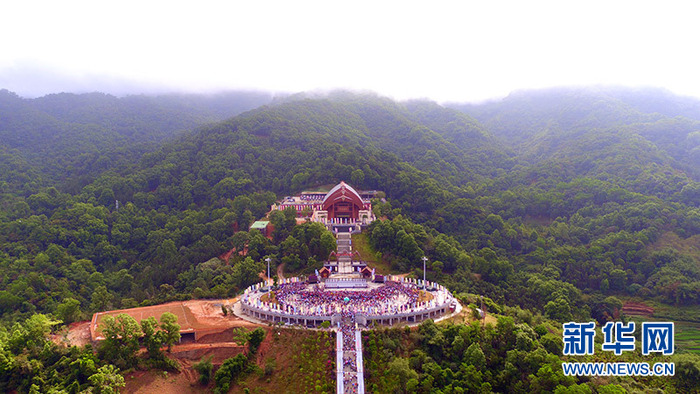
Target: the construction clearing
(196, 318)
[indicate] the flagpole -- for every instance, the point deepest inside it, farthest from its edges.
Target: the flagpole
(424, 260)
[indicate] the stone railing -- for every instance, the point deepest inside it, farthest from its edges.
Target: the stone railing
(272, 312)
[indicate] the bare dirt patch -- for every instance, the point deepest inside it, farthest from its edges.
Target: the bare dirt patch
(208, 314)
(269, 297)
(637, 309)
(280, 271)
(160, 382)
(294, 357)
(425, 296)
(194, 352)
(465, 317)
(199, 316)
(75, 334)
(290, 354)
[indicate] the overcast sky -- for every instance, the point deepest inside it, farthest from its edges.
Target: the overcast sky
(442, 50)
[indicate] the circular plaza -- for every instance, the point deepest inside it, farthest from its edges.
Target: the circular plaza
(300, 302)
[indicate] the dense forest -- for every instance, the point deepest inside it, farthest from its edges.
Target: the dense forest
(556, 206)
(74, 138)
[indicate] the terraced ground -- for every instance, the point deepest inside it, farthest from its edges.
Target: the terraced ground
(686, 319)
(687, 333)
(288, 361)
(688, 336)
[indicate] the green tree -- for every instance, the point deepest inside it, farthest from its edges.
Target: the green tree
(121, 342)
(7, 359)
(357, 178)
(246, 272)
(152, 338)
(107, 380)
(618, 279)
(34, 331)
(475, 356)
(255, 339)
(229, 371)
(299, 180)
(558, 309)
(328, 245)
(171, 330)
(407, 247)
(611, 389)
(687, 371)
(101, 299)
(204, 367)
(399, 368)
(240, 336)
(69, 310)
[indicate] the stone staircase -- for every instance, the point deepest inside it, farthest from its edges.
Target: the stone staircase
(349, 368)
(344, 244)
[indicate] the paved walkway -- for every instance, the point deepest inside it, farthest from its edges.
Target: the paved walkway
(349, 368)
(359, 363)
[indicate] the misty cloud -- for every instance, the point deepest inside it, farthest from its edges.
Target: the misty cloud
(35, 80)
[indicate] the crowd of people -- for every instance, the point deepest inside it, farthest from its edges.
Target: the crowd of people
(391, 297)
(347, 330)
(394, 297)
(350, 364)
(350, 384)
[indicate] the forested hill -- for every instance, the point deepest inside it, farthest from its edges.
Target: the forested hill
(543, 124)
(555, 206)
(370, 141)
(69, 138)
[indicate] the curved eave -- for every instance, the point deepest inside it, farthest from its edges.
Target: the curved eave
(336, 193)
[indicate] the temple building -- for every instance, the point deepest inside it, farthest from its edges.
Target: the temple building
(341, 209)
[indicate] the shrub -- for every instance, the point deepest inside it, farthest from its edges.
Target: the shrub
(204, 368)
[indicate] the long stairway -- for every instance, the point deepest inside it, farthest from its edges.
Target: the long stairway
(344, 243)
(349, 368)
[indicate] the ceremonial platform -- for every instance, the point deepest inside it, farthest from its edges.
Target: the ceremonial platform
(345, 283)
(297, 302)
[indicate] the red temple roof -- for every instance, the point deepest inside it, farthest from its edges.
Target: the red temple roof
(342, 192)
